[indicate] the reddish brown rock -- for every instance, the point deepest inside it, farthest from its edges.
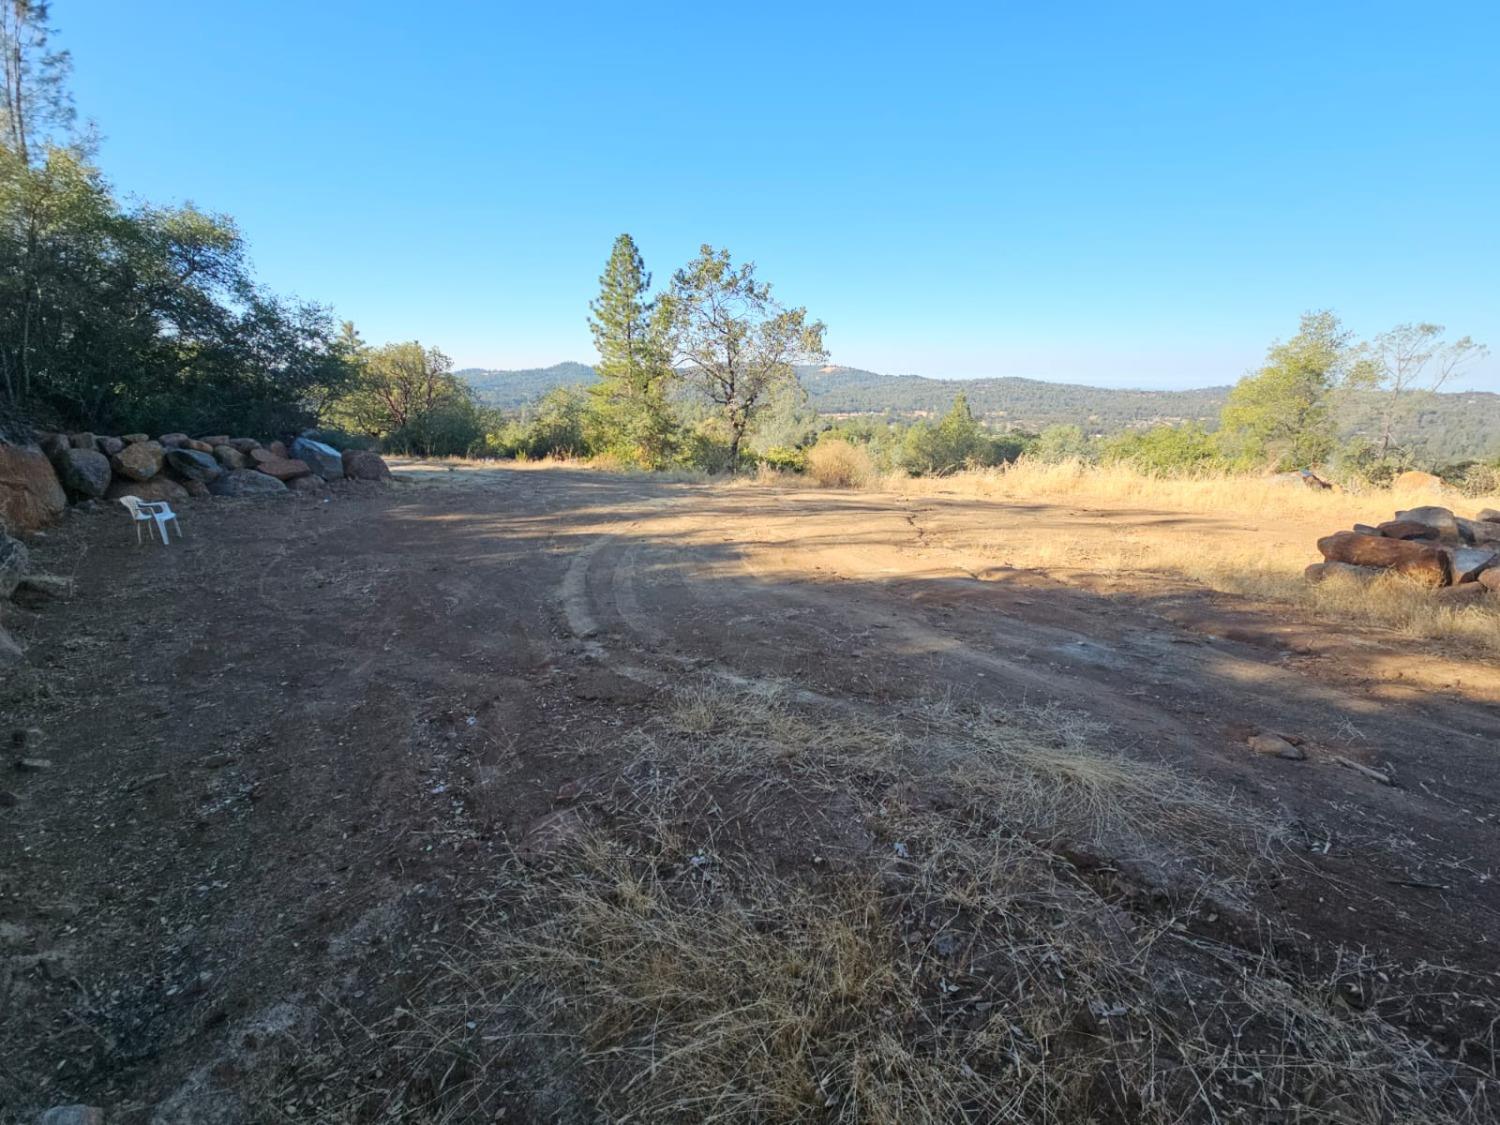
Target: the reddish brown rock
(361, 464)
(283, 468)
(140, 460)
(1490, 579)
(259, 456)
(30, 494)
(212, 440)
(1415, 560)
(279, 449)
(230, 457)
(198, 446)
(1406, 529)
(157, 488)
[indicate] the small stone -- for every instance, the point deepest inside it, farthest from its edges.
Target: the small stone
(72, 1115)
(1274, 745)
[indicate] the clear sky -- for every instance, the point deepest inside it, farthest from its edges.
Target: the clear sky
(1121, 194)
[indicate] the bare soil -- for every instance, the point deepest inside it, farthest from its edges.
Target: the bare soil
(287, 751)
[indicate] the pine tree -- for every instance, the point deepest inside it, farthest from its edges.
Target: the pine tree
(630, 333)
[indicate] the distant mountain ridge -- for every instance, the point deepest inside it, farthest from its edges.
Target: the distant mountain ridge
(1448, 427)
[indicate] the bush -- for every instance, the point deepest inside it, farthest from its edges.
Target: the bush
(1163, 450)
(835, 463)
(784, 460)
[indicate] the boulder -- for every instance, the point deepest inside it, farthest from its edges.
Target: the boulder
(30, 494)
(196, 489)
(1489, 515)
(325, 460)
(1470, 562)
(1319, 571)
(84, 473)
(1365, 529)
(189, 464)
(108, 446)
(1490, 579)
(53, 444)
(1456, 597)
(1418, 561)
(362, 464)
(1405, 529)
(260, 455)
(157, 488)
(172, 441)
(82, 441)
(1441, 520)
(311, 484)
(212, 440)
(198, 446)
(283, 468)
(139, 460)
(246, 482)
(1478, 532)
(1414, 481)
(244, 444)
(134, 439)
(15, 560)
(230, 457)
(278, 449)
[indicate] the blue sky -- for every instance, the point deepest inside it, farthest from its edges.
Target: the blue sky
(1129, 195)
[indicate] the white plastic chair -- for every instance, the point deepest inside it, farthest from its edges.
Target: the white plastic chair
(156, 513)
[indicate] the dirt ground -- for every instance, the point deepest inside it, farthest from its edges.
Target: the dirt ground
(284, 750)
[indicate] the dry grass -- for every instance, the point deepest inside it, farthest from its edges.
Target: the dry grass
(1248, 497)
(835, 463)
(968, 968)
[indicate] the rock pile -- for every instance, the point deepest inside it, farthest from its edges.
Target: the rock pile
(38, 478)
(1430, 545)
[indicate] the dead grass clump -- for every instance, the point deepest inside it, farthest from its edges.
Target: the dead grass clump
(835, 463)
(968, 968)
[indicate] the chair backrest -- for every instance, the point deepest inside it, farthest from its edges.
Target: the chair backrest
(133, 505)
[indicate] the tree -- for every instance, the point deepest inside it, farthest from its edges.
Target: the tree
(1406, 364)
(408, 395)
(1280, 414)
(37, 101)
(631, 334)
(734, 341)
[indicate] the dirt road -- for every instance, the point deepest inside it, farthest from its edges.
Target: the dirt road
(279, 748)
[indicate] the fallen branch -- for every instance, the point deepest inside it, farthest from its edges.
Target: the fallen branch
(1372, 774)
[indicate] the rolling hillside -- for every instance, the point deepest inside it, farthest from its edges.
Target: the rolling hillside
(1447, 427)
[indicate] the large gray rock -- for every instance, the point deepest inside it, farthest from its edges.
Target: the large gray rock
(361, 464)
(85, 473)
(324, 460)
(15, 560)
(247, 482)
(1478, 532)
(53, 444)
(140, 460)
(82, 440)
(189, 464)
(1441, 520)
(1470, 562)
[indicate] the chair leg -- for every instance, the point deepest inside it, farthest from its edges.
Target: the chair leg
(137, 533)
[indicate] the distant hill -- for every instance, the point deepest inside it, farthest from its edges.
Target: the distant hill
(1447, 427)
(510, 389)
